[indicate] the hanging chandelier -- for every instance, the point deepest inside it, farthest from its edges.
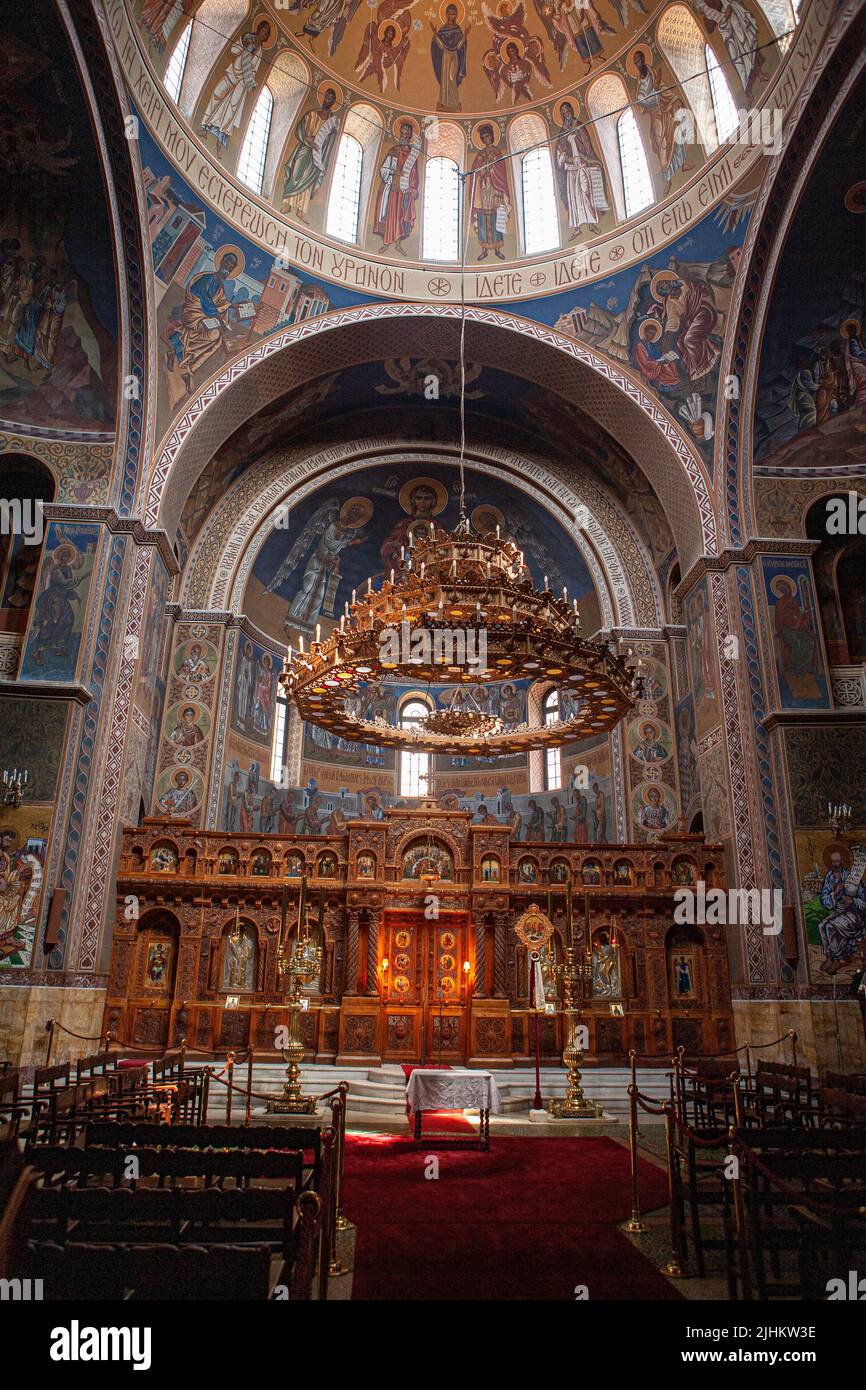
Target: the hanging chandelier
(459, 609)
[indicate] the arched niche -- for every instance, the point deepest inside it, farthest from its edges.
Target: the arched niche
(26, 485)
(238, 957)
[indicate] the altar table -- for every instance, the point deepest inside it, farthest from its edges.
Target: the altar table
(454, 1090)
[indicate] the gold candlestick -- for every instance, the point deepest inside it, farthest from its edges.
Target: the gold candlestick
(301, 965)
(574, 975)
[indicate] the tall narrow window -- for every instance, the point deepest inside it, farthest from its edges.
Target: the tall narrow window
(414, 767)
(441, 210)
(636, 181)
(540, 226)
(278, 747)
(344, 201)
(177, 64)
(251, 165)
(724, 109)
(552, 756)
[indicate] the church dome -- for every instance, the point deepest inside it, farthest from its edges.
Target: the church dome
(537, 142)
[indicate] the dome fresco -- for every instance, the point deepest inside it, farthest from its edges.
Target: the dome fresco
(491, 132)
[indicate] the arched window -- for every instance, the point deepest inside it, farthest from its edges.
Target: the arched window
(552, 756)
(724, 110)
(278, 746)
(344, 202)
(214, 20)
(251, 165)
(177, 63)
(288, 82)
(414, 766)
(533, 177)
(442, 200)
(682, 42)
(636, 182)
(620, 139)
(26, 484)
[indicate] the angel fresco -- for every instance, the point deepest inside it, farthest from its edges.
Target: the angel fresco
(335, 15)
(327, 534)
(573, 26)
(514, 55)
(385, 46)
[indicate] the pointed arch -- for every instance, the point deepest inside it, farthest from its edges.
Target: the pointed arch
(538, 219)
(682, 42)
(251, 163)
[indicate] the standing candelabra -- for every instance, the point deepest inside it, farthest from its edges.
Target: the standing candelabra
(299, 965)
(574, 975)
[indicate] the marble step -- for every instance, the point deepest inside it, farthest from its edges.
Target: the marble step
(380, 1092)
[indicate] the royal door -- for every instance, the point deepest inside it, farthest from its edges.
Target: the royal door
(426, 986)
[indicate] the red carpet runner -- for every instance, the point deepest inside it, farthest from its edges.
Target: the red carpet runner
(532, 1219)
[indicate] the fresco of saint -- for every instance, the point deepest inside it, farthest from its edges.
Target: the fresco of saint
(491, 201)
(448, 55)
(225, 108)
(400, 177)
(663, 109)
(580, 174)
(205, 324)
(307, 166)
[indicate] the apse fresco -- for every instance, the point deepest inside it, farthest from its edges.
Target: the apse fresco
(356, 527)
(58, 307)
(812, 375)
(499, 408)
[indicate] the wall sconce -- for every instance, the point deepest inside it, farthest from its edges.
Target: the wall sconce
(383, 974)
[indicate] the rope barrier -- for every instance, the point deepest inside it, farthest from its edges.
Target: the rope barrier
(83, 1037)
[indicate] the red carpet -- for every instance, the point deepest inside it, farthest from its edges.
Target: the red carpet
(532, 1219)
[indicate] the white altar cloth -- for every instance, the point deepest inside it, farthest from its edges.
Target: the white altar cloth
(453, 1090)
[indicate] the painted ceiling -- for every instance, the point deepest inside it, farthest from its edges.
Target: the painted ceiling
(811, 400)
(390, 395)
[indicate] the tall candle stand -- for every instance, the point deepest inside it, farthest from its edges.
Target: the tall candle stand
(574, 974)
(299, 966)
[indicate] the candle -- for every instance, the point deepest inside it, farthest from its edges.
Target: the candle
(545, 583)
(354, 591)
(392, 578)
(301, 640)
(318, 632)
(497, 533)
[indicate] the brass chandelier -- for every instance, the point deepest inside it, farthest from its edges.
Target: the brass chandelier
(459, 609)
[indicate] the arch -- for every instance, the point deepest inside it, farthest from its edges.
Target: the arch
(176, 66)
(608, 101)
(364, 123)
(682, 42)
(289, 82)
(781, 191)
(415, 766)
(344, 200)
(254, 150)
(532, 175)
(212, 22)
(27, 482)
(535, 351)
(626, 585)
(441, 215)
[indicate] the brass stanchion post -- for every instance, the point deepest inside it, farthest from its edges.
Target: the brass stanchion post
(674, 1267)
(635, 1224)
(793, 1036)
(342, 1223)
(338, 1119)
(740, 1217)
(50, 1025)
(249, 1085)
(230, 1059)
